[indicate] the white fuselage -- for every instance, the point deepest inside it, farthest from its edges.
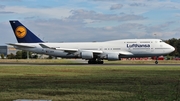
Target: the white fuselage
(126, 48)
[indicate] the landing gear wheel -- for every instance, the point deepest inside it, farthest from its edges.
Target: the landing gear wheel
(95, 62)
(91, 62)
(156, 62)
(100, 62)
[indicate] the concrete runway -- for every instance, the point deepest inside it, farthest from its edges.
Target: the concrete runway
(85, 64)
(80, 62)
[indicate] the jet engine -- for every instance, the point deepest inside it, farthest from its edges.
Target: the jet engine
(86, 55)
(113, 56)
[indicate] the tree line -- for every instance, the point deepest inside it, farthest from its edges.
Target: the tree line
(20, 55)
(176, 44)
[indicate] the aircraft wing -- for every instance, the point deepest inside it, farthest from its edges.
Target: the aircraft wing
(21, 46)
(125, 53)
(62, 49)
(96, 51)
(68, 50)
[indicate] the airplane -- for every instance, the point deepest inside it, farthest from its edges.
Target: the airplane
(94, 52)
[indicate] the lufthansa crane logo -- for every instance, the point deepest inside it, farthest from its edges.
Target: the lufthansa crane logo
(20, 32)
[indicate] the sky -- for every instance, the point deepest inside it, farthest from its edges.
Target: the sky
(91, 20)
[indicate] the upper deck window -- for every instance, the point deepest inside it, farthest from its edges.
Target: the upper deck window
(161, 41)
(145, 42)
(131, 42)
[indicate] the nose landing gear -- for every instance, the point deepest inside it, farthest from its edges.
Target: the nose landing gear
(156, 62)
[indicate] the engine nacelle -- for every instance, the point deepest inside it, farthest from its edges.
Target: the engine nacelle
(86, 55)
(113, 56)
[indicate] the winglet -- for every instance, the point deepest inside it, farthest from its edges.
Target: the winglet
(23, 35)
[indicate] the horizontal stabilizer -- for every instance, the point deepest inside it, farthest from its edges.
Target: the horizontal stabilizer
(21, 46)
(44, 46)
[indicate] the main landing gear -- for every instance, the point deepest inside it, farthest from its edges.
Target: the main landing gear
(94, 61)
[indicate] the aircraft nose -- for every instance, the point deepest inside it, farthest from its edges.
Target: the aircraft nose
(172, 48)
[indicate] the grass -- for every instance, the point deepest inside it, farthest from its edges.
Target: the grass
(35, 61)
(90, 83)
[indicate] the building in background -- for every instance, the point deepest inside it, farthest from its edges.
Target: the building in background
(5, 50)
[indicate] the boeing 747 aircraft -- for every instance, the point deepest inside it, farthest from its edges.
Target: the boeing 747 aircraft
(94, 52)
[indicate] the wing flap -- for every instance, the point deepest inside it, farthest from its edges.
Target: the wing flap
(69, 50)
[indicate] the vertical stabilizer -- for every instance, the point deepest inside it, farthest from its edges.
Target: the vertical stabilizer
(23, 35)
